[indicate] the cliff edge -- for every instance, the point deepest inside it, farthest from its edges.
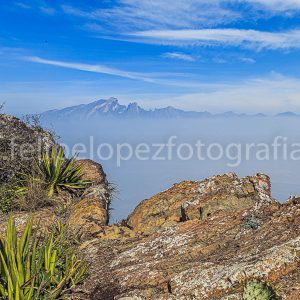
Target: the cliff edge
(200, 240)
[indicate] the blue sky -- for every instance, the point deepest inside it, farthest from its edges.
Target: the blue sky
(217, 55)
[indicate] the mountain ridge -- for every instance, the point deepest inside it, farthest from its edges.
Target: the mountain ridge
(112, 108)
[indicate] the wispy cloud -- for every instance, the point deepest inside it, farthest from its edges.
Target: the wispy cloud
(223, 37)
(248, 60)
(162, 78)
(133, 15)
(89, 68)
(180, 56)
(39, 5)
(191, 22)
(271, 94)
(144, 14)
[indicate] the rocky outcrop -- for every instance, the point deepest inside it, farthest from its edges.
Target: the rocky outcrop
(19, 145)
(91, 212)
(241, 233)
(191, 200)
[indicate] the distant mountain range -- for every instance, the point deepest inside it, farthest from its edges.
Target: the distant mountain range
(112, 108)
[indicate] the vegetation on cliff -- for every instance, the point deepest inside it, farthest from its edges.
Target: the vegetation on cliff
(54, 172)
(36, 268)
(32, 186)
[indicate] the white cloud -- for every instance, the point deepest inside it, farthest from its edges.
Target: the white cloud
(133, 15)
(161, 78)
(90, 68)
(180, 56)
(128, 15)
(271, 94)
(248, 60)
(191, 22)
(39, 5)
(223, 37)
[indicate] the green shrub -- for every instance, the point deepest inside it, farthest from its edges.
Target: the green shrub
(21, 194)
(60, 173)
(54, 172)
(35, 269)
(32, 195)
(258, 290)
(34, 188)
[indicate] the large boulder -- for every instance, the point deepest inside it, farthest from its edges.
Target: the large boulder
(193, 200)
(19, 145)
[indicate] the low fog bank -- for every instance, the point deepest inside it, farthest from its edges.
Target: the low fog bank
(189, 150)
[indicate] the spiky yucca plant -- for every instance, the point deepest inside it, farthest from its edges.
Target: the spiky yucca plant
(258, 290)
(31, 269)
(59, 172)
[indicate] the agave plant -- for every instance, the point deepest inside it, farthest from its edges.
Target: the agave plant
(59, 172)
(33, 270)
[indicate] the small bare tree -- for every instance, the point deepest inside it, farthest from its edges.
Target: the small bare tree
(33, 121)
(1, 107)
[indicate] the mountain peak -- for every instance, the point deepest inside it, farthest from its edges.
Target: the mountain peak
(133, 105)
(111, 107)
(112, 100)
